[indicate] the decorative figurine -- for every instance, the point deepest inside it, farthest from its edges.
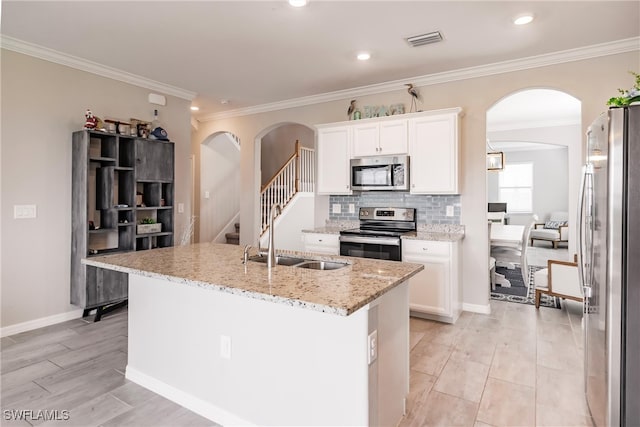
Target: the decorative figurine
(414, 95)
(351, 109)
(91, 121)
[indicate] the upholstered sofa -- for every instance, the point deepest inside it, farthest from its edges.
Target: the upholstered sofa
(555, 230)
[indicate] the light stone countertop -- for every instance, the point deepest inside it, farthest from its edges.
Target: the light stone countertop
(219, 267)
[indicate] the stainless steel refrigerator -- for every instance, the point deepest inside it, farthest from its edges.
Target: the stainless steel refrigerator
(609, 265)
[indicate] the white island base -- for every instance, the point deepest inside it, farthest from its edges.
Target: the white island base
(287, 366)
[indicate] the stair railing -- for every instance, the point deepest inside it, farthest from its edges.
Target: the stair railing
(296, 175)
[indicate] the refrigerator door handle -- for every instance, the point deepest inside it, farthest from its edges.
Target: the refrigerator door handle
(581, 226)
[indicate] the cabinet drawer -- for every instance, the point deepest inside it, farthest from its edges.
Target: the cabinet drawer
(321, 239)
(322, 243)
(425, 248)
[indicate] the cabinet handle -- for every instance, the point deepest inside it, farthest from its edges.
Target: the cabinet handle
(413, 186)
(347, 187)
(425, 249)
(319, 240)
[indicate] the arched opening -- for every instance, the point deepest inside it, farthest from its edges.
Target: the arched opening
(539, 133)
(219, 198)
(274, 146)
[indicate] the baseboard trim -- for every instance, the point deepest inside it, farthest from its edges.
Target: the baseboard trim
(476, 308)
(40, 323)
(195, 404)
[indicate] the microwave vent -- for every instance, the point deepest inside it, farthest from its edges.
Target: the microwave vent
(422, 39)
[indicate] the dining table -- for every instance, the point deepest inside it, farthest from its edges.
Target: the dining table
(506, 235)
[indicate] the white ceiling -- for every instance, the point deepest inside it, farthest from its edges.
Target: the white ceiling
(261, 52)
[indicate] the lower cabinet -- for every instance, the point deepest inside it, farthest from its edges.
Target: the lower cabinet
(327, 244)
(434, 293)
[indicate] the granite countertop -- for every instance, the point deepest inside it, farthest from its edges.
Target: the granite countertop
(432, 232)
(219, 267)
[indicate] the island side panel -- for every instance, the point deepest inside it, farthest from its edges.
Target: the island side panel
(288, 365)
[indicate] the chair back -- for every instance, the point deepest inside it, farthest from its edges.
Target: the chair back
(563, 278)
(524, 244)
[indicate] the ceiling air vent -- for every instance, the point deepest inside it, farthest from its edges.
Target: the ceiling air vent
(423, 39)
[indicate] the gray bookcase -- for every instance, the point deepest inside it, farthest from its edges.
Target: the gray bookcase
(117, 181)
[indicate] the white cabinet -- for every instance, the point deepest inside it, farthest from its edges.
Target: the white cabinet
(435, 292)
(320, 243)
(433, 148)
(380, 138)
(333, 153)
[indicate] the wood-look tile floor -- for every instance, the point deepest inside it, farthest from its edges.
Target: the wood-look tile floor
(78, 366)
(516, 367)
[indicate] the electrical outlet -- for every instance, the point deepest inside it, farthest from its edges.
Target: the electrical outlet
(449, 210)
(180, 207)
(24, 211)
(206, 194)
(336, 208)
(372, 347)
(225, 347)
(352, 208)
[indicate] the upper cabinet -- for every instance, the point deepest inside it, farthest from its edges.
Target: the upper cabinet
(433, 149)
(429, 137)
(333, 154)
(380, 138)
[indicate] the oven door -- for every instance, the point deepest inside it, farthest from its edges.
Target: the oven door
(387, 248)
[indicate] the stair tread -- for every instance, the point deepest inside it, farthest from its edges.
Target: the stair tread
(232, 235)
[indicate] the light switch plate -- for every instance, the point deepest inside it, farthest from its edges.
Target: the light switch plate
(336, 208)
(449, 210)
(24, 211)
(180, 207)
(352, 208)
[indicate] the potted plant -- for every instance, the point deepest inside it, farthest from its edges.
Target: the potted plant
(149, 225)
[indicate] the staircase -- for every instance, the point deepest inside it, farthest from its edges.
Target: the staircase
(298, 174)
(233, 238)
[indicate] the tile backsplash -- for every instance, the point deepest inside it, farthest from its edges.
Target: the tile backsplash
(429, 209)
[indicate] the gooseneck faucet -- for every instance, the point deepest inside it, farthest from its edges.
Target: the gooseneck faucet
(271, 251)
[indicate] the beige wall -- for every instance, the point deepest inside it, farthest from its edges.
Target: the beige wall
(279, 144)
(591, 81)
(42, 104)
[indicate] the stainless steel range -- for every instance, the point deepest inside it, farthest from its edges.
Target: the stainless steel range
(379, 234)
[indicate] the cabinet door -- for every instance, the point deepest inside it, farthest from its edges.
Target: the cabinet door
(429, 290)
(365, 140)
(333, 154)
(154, 160)
(393, 137)
(433, 147)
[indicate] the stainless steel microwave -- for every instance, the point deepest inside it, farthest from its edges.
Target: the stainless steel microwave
(381, 173)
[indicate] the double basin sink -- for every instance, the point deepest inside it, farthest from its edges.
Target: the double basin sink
(311, 264)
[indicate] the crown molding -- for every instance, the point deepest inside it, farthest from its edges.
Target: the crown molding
(578, 54)
(81, 64)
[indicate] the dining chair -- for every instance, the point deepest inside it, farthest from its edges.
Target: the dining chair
(516, 255)
(559, 279)
(492, 263)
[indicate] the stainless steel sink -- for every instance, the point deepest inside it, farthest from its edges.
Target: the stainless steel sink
(311, 264)
(321, 265)
(280, 259)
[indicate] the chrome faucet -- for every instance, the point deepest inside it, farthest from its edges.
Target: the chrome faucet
(271, 251)
(245, 256)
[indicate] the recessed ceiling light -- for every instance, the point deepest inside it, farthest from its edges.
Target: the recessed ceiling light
(224, 101)
(298, 3)
(523, 19)
(363, 56)
(194, 108)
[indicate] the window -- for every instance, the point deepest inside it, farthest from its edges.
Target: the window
(515, 186)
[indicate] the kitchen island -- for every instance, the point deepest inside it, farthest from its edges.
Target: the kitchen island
(240, 346)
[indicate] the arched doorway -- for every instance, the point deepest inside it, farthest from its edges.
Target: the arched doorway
(539, 132)
(274, 146)
(219, 195)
